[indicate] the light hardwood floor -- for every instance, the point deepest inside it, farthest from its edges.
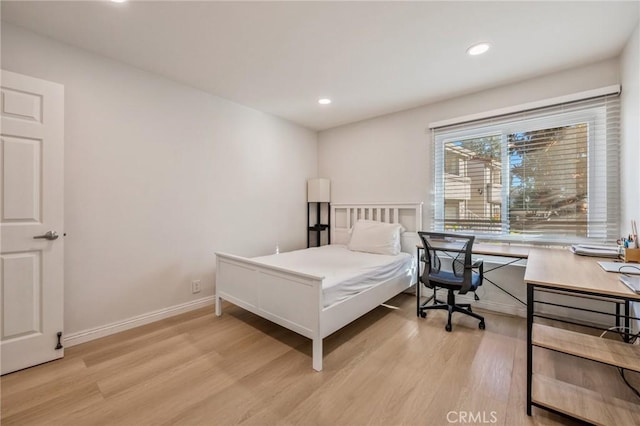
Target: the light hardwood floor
(387, 368)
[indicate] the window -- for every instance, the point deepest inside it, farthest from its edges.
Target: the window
(548, 174)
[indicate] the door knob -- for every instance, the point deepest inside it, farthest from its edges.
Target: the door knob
(50, 235)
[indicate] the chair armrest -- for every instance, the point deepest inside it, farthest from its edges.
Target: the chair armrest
(479, 265)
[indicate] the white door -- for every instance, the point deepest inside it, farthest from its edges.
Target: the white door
(31, 205)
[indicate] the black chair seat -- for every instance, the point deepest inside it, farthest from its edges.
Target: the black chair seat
(448, 278)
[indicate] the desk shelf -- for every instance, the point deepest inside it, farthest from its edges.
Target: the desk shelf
(583, 404)
(598, 349)
(574, 401)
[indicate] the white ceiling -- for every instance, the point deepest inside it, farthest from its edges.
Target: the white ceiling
(370, 58)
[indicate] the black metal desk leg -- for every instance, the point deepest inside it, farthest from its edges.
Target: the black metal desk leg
(530, 289)
(418, 282)
(627, 321)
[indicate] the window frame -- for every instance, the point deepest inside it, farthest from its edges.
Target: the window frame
(594, 116)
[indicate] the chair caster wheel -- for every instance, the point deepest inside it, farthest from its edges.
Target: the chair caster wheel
(481, 325)
(448, 327)
(423, 314)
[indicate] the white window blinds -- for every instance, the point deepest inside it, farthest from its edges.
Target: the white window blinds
(549, 174)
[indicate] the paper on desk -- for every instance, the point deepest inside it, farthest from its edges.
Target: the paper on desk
(632, 282)
(624, 268)
(594, 250)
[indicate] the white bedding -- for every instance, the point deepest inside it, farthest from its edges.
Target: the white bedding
(346, 272)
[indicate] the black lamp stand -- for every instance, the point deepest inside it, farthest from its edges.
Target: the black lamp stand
(319, 226)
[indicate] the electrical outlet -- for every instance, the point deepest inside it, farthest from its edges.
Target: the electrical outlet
(195, 286)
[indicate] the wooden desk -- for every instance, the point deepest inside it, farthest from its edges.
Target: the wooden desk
(557, 269)
(502, 250)
(513, 252)
(488, 249)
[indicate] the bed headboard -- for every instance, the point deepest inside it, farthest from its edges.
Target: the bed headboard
(409, 215)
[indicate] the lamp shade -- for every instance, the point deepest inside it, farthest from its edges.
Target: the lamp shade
(319, 190)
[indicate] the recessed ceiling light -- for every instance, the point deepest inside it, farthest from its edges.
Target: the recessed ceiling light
(324, 101)
(118, 1)
(478, 49)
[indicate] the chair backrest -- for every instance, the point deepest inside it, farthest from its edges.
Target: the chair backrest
(456, 247)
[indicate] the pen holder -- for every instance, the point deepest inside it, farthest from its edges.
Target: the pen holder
(631, 255)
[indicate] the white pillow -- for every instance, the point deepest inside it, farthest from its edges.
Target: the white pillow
(376, 237)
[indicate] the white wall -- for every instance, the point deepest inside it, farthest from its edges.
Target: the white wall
(630, 106)
(159, 176)
(389, 158)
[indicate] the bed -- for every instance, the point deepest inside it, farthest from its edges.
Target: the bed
(291, 290)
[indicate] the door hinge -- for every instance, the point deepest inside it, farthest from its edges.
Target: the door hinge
(59, 345)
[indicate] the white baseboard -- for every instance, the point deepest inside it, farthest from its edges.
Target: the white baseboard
(502, 308)
(489, 305)
(116, 327)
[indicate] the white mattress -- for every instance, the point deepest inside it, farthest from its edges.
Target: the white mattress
(346, 272)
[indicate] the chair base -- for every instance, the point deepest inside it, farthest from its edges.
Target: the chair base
(451, 307)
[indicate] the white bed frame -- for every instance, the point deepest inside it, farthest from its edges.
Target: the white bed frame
(294, 300)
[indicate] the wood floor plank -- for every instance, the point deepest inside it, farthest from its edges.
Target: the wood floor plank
(388, 368)
(57, 408)
(40, 375)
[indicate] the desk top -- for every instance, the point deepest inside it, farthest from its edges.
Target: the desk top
(488, 249)
(560, 268)
(504, 250)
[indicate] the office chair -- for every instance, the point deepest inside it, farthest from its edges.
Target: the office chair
(461, 278)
